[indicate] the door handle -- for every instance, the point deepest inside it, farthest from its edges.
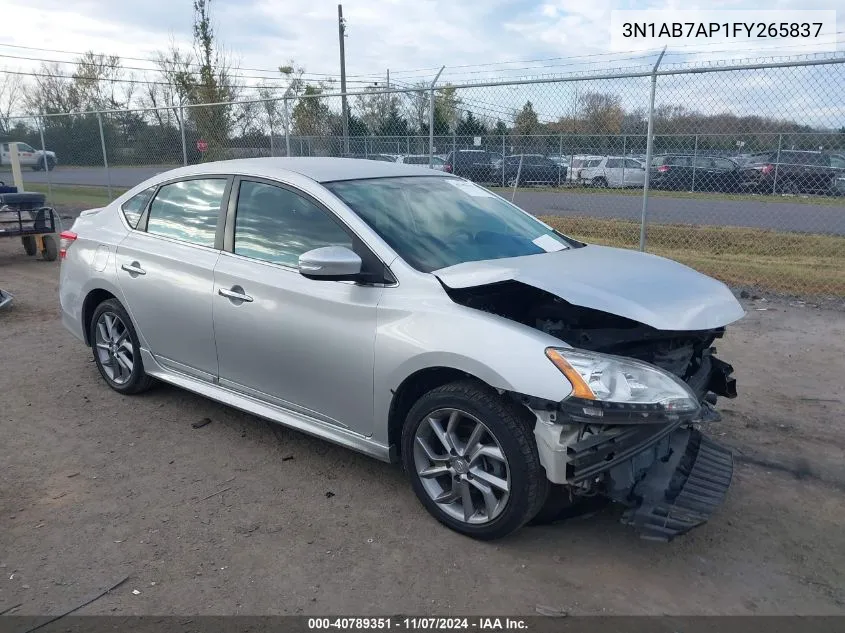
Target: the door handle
(134, 269)
(235, 294)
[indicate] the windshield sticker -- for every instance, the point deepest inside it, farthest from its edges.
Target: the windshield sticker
(548, 244)
(469, 188)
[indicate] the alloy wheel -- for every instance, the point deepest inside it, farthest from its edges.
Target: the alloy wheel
(113, 346)
(461, 466)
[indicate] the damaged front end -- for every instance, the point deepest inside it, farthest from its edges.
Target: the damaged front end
(642, 451)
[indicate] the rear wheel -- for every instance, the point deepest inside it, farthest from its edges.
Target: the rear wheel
(472, 460)
(599, 183)
(790, 186)
(29, 245)
(117, 351)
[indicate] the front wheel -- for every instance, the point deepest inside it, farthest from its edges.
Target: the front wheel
(599, 183)
(472, 460)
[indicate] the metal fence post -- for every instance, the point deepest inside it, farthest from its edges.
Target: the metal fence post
(694, 160)
(105, 157)
(624, 158)
(182, 132)
(504, 159)
(559, 157)
(649, 149)
(287, 132)
(777, 162)
(431, 121)
(44, 155)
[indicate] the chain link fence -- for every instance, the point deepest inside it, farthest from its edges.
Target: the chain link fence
(742, 176)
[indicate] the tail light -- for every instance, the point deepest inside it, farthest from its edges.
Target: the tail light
(447, 168)
(663, 169)
(67, 238)
(767, 169)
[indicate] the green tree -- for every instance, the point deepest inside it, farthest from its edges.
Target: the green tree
(526, 122)
(470, 126)
(311, 116)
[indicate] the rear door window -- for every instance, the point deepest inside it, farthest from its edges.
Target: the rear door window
(614, 163)
(188, 210)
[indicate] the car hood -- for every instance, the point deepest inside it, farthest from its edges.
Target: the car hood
(646, 288)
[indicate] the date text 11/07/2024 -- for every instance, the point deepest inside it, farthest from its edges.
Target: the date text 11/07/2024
(418, 623)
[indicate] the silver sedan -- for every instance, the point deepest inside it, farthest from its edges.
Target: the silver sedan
(517, 374)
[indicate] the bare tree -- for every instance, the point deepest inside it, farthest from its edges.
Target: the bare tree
(170, 89)
(417, 106)
(10, 98)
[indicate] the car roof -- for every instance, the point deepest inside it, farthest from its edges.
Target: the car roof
(318, 169)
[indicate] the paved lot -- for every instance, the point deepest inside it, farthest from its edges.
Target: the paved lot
(96, 486)
(782, 216)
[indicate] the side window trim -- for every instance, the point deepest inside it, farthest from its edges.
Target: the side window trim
(143, 221)
(142, 216)
(369, 258)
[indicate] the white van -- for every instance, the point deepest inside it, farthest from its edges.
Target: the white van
(607, 171)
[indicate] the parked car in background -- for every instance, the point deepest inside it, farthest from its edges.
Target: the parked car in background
(791, 171)
(28, 156)
(686, 172)
(531, 169)
(474, 164)
(514, 372)
(608, 171)
(437, 162)
(560, 159)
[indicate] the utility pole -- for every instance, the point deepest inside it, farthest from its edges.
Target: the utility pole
(388, 79)
(341, 32)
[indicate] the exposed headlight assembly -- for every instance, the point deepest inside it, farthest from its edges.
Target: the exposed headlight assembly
(623, 388)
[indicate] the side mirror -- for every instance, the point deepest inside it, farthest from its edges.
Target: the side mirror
(330, 263)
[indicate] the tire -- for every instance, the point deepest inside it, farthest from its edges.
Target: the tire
(599, 183)
(790, 187)
(512, 182)
(127, 381)
(51, 249)
(48, 164)
(29, 245)
(504, 427)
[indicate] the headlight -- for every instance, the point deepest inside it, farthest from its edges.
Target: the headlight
(602, 382)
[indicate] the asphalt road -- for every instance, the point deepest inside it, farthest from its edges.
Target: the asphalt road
(782, 216)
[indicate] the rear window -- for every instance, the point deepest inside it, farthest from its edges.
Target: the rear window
(134, 207)
(417, 160)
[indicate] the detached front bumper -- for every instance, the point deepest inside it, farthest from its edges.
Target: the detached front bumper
(673, 487)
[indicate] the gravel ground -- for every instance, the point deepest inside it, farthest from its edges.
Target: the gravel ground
(96, 487)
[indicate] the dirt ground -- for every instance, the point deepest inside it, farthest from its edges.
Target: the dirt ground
(96, 486)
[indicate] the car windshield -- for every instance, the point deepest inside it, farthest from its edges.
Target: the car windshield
(434, 222)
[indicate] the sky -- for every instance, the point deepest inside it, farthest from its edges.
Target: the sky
(477, 40)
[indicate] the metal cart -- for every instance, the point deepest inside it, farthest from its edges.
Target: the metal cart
(24, 215)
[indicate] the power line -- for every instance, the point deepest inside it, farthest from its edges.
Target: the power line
(154, 60)
(305, 76)
(129, 81)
